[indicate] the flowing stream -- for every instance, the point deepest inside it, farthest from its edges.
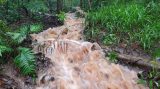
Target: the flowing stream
(76, 63)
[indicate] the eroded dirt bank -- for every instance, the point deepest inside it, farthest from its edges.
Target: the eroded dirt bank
(78, 64)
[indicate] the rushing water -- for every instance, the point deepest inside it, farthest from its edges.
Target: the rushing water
(78, 64)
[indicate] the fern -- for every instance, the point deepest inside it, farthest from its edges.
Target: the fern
(25, 61)
(34, 28)
(36, 6)
(4, 49)
(61, 16)
(3, 38)
(2, 1)
(18, 37)
(3, 28)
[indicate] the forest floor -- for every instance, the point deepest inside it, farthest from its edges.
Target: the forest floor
(50, 69)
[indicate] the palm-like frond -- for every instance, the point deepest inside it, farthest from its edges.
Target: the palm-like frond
(25, 61)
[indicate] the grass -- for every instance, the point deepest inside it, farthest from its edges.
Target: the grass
(127, 23)
(132, 22)
(150, 77)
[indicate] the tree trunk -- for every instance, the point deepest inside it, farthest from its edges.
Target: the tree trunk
(81, 3)
(59, 6)
(90, 4)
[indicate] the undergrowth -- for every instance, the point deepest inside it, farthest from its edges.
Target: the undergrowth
(127, 23)
(150, 77)
(11, 48)
(18, 19)
(61, 16)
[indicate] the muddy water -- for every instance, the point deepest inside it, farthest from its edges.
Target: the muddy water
(78, 64)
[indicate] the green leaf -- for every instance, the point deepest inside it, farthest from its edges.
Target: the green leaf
(18, 37)
(24, 30)
(4, 49)
(3, 28)
(35, 28)
(25, 61)
(3, 1)
(140, 81)
(37, 6)
(156, 54)
(113, 56)
(61, 16)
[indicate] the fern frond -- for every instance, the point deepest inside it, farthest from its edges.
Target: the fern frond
(3, 1)
(37, 6)
(4, 49)
(18, 37)
(24, 30)
(3, 26)
(3, 29)
(34, 28)
(25, 61)
(61, 16)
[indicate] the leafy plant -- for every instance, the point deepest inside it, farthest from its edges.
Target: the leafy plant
(25, 60)
(113, 57)
(34, 28)
(150, 77)
(4, 49)
(61, 16)
(2, 1)
(24, 31)
(23, 57)
(9, 11)
(36, 6)
(18, 36)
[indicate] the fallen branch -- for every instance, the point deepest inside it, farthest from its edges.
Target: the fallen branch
(135, 61)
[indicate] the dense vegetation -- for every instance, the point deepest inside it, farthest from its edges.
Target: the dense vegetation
(130, 23)
(18, 19)
(11, 43)
(109, 22)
